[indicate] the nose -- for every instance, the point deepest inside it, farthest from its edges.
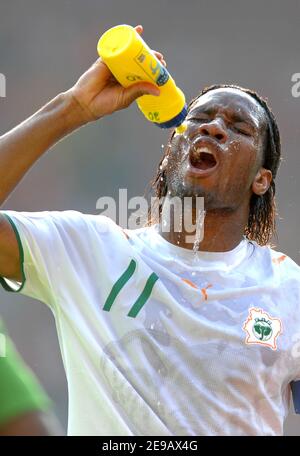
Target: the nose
(215, 129)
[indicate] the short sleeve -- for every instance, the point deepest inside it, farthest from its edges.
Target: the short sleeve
(52, 245)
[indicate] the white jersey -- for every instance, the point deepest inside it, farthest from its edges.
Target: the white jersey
(157, 340)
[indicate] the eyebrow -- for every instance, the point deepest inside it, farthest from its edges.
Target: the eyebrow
(236, 117)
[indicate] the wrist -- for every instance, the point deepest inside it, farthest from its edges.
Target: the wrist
(74, 114)
(83, 111)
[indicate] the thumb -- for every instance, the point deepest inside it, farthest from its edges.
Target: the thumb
(141, 88)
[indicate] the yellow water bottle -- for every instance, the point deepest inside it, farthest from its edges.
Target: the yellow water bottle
(131, 60)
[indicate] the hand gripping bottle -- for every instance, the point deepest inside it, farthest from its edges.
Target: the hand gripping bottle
(131, 60)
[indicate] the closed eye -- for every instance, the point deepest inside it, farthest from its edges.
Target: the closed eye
(243, 131)
(198, 119)
(240, 127)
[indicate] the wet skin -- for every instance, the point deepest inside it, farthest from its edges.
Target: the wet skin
(232, 126)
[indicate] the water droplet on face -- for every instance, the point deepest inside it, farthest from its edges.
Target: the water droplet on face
(164, 162)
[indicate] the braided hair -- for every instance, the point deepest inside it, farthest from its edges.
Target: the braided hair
(261, 225)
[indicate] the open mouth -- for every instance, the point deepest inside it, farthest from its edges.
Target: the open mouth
(202, 158)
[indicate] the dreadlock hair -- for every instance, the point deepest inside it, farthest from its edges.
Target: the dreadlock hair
(261, 225)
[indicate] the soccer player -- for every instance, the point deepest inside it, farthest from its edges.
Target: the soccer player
(157, 339)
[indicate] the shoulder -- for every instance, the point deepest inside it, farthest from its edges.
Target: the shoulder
(278, 261)
(95, 227)
(64, 225)
(67, 219)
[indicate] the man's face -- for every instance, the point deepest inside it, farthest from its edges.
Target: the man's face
(221, 151)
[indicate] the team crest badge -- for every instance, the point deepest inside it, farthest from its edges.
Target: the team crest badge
(261, 328)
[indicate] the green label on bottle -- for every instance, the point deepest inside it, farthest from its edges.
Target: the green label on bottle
(153, 69)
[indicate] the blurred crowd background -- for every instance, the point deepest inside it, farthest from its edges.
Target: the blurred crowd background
(46, 45)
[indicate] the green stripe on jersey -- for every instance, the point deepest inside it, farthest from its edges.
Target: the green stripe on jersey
(144, 296)
(120, 283)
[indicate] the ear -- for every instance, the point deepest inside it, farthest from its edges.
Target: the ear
(262, 181)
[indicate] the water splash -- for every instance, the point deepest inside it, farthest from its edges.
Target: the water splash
(199, 234)
(186, 144)
(184, 135)
(164, 164)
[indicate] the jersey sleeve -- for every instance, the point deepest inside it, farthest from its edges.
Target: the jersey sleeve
(53, 246)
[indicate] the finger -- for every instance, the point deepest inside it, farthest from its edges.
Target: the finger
(137, 90)
(158, 54)
(101, 66)
(160, 57)
(139, 29)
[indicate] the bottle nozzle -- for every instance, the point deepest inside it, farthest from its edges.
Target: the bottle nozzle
(181, 128)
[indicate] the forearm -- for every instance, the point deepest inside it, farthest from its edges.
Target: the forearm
(96, 94)
(21, 147)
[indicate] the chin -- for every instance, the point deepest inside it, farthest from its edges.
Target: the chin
(212, 201)
(184, 187)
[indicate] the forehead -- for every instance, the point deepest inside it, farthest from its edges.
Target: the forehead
(231, 100)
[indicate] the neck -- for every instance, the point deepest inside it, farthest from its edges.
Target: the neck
(222, 230)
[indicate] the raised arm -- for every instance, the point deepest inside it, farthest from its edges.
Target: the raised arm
(96, 94)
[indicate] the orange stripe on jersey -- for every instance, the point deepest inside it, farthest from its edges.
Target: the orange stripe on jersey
(279, 259)
(204, 292)
(190, 283)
